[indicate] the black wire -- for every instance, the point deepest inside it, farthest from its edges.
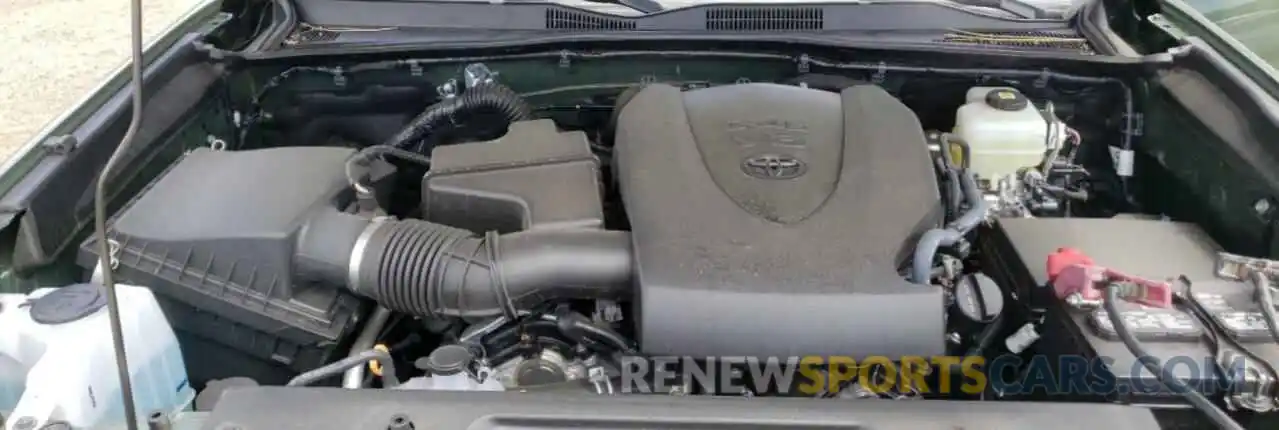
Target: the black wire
(370, 153)
(257, 28)
(1267, 299)
(1219, 417)
(1218, 335)
(336, 368)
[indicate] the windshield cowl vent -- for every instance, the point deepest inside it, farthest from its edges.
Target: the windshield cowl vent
(570, 20)
(764, 18)
(1034, 40)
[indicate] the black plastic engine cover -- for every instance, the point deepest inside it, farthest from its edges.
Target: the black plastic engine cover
(771, 220)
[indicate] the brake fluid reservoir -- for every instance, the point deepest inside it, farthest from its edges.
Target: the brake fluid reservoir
(1004, 130)
(56, 350)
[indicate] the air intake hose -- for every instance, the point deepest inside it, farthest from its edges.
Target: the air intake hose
(424, 268)
(488, 97)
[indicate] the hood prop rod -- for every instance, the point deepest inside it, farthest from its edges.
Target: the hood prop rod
(100, 214)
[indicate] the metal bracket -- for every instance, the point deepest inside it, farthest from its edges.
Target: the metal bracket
(566, 59)
(1250, 384)
(881, 74)
(113, 254)
(607, 311)
(599, 378)
(339, 77)
(804, 61)
(1162, 23)
(1042, 81)
(1138, 124)
(59, 145)
(215, 143)
(477, 74)
(1238, 268)
(448, 89)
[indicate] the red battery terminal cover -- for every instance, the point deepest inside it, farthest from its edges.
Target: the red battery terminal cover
(1075, 277)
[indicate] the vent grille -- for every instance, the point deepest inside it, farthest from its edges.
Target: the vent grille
(569, 20)
(318, 36)
(307, 33)
(764, 18)
(1022, 39)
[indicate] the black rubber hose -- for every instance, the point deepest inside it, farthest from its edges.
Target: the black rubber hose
(922, 265)
(954, 194)
(1165, 376)
(926, 248)
(955, 191)
(428, 269)
(1077, 195)
(354, 377)
(952, 171)
(489, 97)
(978, 207)
(580, 328)
(367, 155)
(336, 368)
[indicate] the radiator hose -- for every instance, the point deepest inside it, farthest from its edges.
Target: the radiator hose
(487, 97)
(428, 269)
(932, 240)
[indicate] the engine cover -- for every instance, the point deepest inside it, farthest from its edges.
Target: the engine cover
(771, 221)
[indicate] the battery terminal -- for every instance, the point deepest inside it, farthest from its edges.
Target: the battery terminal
(1078, 280)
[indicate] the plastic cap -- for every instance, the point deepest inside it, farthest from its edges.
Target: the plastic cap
(448, 360)
(68, 304)
(1064, 258)
(1006, 99)
(978, 298)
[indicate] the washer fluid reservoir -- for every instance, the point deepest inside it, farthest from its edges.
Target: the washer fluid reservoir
(1004, 130)
(57, 364)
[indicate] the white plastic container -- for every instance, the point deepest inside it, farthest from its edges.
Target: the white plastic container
(55, 349)
(454, 382)
(1004, 130)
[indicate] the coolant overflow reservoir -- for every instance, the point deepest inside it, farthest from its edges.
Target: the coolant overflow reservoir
(1003, 129)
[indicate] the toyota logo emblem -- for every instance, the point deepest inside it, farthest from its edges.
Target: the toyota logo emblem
(773, 166)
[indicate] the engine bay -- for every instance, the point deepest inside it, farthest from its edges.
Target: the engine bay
(666, 225)
(696, 221)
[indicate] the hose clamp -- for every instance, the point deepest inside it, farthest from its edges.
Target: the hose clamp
(358, 251)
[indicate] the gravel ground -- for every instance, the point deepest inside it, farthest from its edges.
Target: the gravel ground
(57, 50)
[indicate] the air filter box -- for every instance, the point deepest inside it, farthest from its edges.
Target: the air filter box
(214, 236)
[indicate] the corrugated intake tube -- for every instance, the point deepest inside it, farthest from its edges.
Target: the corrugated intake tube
(488, 97)
(423, 268)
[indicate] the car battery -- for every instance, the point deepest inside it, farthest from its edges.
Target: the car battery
(1078, 348)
